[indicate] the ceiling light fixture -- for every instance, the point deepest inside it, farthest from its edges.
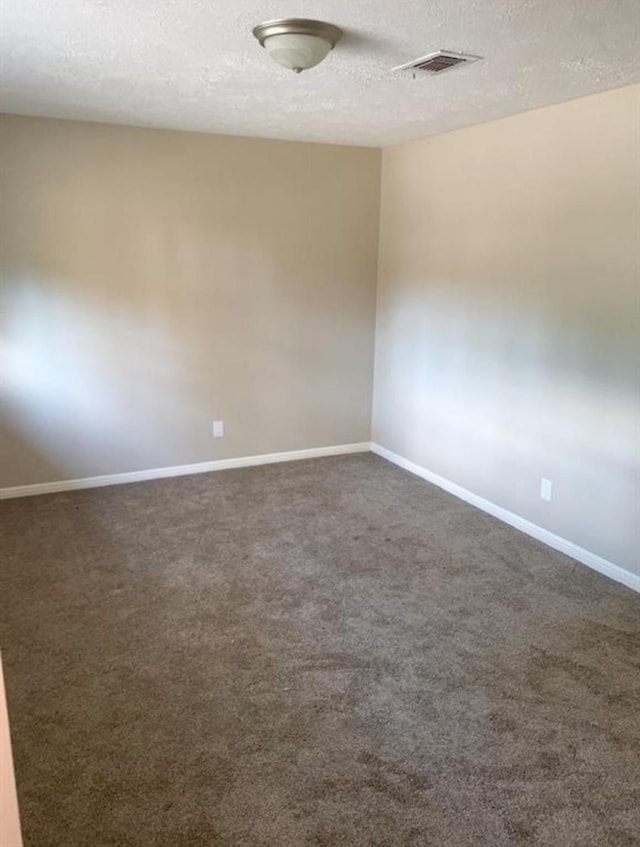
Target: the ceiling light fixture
(297, 43)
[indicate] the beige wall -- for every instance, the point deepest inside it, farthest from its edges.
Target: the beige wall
(10, 834)
(508, 326)
(155, 281)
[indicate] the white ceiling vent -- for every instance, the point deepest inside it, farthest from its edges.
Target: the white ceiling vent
(438, 62)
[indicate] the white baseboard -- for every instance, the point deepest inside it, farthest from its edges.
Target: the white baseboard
(576, 552)
(179, 470)
(597, 563)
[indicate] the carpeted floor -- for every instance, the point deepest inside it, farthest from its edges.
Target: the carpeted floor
(327, 653)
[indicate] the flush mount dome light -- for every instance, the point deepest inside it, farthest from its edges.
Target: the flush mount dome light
(297, 43)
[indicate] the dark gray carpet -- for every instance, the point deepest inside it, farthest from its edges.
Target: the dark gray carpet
(329, 652)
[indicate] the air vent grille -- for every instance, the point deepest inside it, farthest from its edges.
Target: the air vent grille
(437, 63)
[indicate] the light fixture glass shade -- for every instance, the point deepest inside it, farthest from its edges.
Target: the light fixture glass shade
(296, 51)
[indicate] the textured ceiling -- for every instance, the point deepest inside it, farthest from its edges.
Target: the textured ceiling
(194, 64)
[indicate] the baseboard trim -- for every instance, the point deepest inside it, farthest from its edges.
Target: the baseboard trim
(179, 470)
(585, 557)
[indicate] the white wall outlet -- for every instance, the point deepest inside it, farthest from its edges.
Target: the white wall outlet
(218, 429)
(546, 487)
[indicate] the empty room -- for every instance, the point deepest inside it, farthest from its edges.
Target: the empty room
(320, 423)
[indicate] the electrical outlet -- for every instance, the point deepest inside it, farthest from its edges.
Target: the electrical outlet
(218, 429)
(546, 487)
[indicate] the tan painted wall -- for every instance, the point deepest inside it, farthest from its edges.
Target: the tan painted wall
(10, 833)
(155, 281)
(508, 330)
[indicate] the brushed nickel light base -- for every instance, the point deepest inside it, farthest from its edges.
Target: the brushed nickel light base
(298, 26)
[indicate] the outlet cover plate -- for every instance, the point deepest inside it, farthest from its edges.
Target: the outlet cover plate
(546, 488)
